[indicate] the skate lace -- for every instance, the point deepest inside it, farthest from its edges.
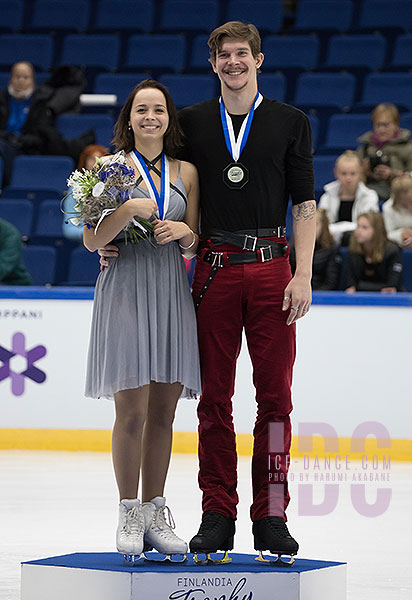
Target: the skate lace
(210, 523)
(278, 526)
(160, 519)
(133, 521)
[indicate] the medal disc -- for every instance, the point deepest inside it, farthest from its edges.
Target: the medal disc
(235, 175)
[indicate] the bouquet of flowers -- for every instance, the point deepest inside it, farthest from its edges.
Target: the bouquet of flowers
(100, 190)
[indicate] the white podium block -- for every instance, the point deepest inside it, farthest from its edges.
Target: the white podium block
(105, 576)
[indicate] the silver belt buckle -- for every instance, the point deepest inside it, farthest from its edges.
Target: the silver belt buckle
(266, 253)
(218, 259)
(246, 243)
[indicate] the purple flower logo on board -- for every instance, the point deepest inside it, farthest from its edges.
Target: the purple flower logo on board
(18, 363)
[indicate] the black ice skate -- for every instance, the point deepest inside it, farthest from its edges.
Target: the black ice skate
(272, 534)
(215, 533)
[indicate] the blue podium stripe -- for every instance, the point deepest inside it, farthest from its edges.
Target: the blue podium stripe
(112, 561)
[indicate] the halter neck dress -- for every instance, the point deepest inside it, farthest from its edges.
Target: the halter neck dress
(143, 325)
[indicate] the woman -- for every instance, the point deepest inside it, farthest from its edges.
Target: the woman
(386, 151)
(397, 212)
(327, 260)
(374, 264)
(143, 347)
(347, 197)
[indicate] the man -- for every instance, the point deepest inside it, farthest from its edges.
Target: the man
(251, 153)
(244, 193)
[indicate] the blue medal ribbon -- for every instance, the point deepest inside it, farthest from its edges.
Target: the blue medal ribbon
(235, 147)
(159, 198)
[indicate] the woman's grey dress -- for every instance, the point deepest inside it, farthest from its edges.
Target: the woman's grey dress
(144, 325)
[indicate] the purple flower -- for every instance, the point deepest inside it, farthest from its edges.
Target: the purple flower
(103, 176)
(88, 226)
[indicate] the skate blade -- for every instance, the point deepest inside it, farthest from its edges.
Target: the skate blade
(211, 561)
(277, 562)
(132, 559)
(166, 558)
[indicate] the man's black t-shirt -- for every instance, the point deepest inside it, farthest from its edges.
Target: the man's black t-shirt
(278, 155)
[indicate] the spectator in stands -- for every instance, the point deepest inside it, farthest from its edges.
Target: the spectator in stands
(86, 161)
(327, 260)
(28, 114)
(386, 151)
(347, 197)
(12, 269)
(373, 263)
(397, 212)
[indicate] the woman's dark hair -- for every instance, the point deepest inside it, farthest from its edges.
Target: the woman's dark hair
(123, 136)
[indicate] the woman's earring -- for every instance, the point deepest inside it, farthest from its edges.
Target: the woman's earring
(129, 127)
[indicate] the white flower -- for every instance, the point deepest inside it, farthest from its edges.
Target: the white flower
(73, 178)
(98, 189)
(118, 157)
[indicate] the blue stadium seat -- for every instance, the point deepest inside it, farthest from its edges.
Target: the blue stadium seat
(402, 53)
(184, 15)
(156, 51)
(68, 15)
(41, 173)
(11, 15)
(123, 15)
(190, 89)
(356, 51)
(407, 269)
(71, 126)
(267, 14)
(344, 130)
(120, 84)
(273, 85)
(388, 87)
(314, 125)
(36, 48)
(291, 51)
(323, 167)
(19, 213)
(91, 51)
(40, 262)
(381, 14)
(324, 14)
(325, 89)
(84, 267)
(49, 219)
(199, 56)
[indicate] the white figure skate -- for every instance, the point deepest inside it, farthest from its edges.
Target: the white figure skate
(159, 532)
(130, 531)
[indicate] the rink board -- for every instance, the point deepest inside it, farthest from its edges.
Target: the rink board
(105, 576)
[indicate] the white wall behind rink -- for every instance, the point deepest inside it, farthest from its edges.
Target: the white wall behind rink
(353, 365)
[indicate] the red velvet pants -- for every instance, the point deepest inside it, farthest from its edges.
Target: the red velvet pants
(249, 297)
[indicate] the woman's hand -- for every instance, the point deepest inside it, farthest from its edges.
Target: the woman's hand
(382, 171)
(351, 289)
(407, 238)
(143, 208)
(167, 231)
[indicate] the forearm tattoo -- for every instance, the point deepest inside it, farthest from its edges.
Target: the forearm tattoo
(304, 211)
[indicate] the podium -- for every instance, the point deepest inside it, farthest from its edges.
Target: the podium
(106, 576)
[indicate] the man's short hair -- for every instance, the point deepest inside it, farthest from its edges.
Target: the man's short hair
(236, 30)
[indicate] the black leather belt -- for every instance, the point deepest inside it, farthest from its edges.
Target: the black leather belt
(247, 239)
(264, 253)
(216, 259)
